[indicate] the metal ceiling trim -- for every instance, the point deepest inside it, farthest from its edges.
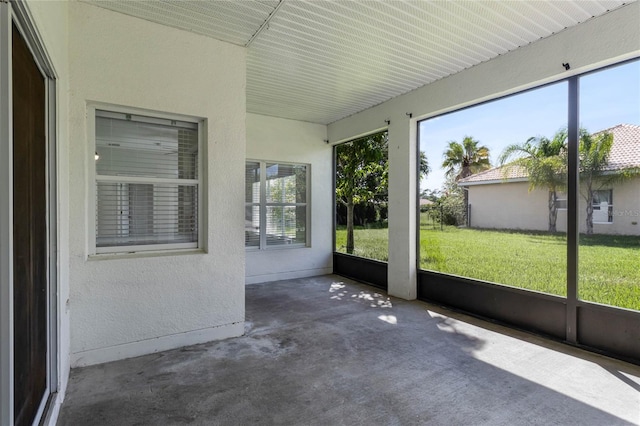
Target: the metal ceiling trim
(265, 24)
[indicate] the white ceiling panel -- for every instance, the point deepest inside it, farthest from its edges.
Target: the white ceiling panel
(231, 21)
(322, 60)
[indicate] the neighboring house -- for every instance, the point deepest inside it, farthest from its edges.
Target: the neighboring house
(424, 203)
(499, 198)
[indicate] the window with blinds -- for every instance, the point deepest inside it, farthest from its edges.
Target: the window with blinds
(147, 182)
(276, 204)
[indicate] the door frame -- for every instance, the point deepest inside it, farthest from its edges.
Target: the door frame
(17, 12)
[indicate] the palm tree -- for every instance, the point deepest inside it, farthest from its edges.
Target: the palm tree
(464, 159)
(544, 160)
(594, 151)
(594, 157)
(423, 166)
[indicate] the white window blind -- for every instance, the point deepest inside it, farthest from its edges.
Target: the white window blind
(275, 204)
(146, 182)
(561, 201)
(603, 206)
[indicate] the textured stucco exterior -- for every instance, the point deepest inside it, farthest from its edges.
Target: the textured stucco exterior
(132, 304)
(510, 205)
(276, 139)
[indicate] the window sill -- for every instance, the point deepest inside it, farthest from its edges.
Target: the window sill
(143, 254)
(276, 248)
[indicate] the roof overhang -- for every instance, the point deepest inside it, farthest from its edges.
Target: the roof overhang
(493, 181)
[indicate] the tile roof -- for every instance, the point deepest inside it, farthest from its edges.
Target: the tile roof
(625, 153)
(507, 172)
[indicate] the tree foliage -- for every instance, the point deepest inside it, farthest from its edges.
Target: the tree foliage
(595, 170)
(544, 160)
(362, 175)
(423, 167)
(594, 157)
(462, 159)
(362, 178)
(453, 203)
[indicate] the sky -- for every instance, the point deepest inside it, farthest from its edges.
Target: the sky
(607, 98)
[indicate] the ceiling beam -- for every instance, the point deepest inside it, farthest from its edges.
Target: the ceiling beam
(265, 24)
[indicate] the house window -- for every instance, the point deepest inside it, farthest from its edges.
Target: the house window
(603, 206)
(561, 201)
(276, 203)
(147, 182)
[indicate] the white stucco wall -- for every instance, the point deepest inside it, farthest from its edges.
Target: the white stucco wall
(595, 43)
(276, 139)
(137, 304)
(509, 206)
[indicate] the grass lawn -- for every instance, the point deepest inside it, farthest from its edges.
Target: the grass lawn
(609, 268)
(369, 243)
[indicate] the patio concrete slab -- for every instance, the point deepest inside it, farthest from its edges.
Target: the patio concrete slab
(328, 351)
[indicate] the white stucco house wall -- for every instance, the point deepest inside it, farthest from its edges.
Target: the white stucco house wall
(500, 197)
(164, 300)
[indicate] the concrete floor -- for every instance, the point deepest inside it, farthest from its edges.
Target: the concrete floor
(328, 351)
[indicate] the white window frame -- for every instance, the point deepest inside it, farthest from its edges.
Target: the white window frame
(609, 207)
(262, 206)
(561, 198)
(92, 180)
